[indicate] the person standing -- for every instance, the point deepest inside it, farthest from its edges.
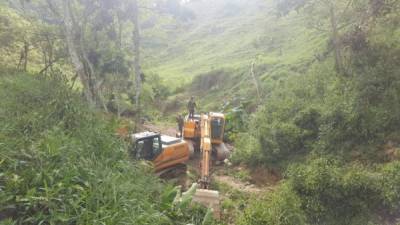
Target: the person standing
(179, 121)
(191, 107)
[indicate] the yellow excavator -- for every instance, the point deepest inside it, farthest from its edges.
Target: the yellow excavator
(193, 128)
(165, 152)
(202, 133)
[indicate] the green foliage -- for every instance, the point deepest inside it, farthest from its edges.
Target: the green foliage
(243, 175)
(180, 208)
(324, 113)
(327, 192)
(390, 189)
(332, 194)
(247, 149)
(282, 207)
(233, 202)
(62, 164)
(13, 32)
(235, 122)
(288, 122)
(154, 93)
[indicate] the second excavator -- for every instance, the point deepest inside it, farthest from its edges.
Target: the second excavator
(204, 133)
(202, 136)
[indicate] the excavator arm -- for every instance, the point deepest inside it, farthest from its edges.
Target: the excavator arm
(206, 148)
(204, 195)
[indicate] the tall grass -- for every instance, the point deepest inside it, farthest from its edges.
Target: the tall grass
(60, 163)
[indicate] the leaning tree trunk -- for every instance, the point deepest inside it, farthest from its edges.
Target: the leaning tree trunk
(26, 53)
(74, 55)
(94, 85)
(138, 79)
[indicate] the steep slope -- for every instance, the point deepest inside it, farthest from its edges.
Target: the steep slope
(232, 34)
(61, 163)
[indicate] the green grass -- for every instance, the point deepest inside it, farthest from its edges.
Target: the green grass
(234, 42)
(281, 47)
(61, 163)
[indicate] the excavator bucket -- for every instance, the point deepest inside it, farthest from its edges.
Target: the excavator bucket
(209, 199)
(204, 196)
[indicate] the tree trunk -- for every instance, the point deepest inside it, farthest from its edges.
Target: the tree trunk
(335, 39)
(26, 53)
(256, 82)
(74, 55)
(23, 59)
(138, 79)
(94, 85)
(47, 54)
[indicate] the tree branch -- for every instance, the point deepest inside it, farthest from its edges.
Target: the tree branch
(49, 65)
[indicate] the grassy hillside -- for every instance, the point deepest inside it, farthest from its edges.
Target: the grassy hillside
(233, 35)
(211, 57)
(332, 134)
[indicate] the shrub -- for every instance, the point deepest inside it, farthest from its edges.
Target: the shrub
(323, 191)
(333, 194)
(282, 207)
(61, 163)
(390, 188)
(323, 112)
(247, 149)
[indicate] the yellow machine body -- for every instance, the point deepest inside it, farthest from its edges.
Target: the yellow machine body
(192, 132)
(192, 127)
(171, 156)
(208, 140)
(163, 151)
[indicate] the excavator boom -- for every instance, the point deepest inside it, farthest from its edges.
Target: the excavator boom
(206, 147)
(209, 198)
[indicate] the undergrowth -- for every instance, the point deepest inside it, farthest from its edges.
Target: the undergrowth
(61, 163)
(324, 191)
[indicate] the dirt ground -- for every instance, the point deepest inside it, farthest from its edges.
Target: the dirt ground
(163, 129)
(259, 180)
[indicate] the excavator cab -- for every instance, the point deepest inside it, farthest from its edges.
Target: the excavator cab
(217, 125)
(163, 151)
(192, 133)
(147, 145)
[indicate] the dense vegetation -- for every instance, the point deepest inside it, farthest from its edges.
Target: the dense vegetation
(61, 163)
(325, 112)
(326, 116)
(310, 89)
(315, 110)
(325, 191)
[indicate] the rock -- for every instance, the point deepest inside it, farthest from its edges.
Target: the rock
(227, 162)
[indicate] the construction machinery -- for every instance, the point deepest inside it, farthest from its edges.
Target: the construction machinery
(205, 133)
(202, 134)
(165, 152)
(215, 122)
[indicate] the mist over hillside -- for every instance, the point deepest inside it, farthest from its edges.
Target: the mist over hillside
(222, 34)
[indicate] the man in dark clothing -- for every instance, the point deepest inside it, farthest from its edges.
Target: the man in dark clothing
(179, 121)
(191, 106)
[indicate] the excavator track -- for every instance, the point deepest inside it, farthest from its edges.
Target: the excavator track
(173, 172)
